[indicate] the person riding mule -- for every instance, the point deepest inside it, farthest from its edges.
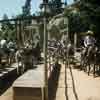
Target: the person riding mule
(89, 50)
(89, 53)
(89, 43)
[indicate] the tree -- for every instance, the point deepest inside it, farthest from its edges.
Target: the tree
(5, 24)
(26, 12)
(55, 6)
(45, 1)
(7, 29)
(92, 10)
(75, 0)
(26, 8)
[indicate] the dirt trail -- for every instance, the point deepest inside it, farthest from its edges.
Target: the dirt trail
(69, 84)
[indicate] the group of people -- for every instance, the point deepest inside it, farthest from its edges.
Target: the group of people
(7, 50)
(6, 44)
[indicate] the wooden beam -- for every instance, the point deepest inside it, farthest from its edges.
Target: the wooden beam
(23, 18)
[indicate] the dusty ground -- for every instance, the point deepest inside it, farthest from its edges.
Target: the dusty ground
(70, 84)
(74, 84)
(7, 95)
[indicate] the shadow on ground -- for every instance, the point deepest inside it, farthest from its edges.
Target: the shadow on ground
(53, 82)
(73, 83)
(6, 83)
(66, 90)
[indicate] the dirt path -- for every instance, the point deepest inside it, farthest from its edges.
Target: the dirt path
(74, 84)
(7, 95)
(87, 87)
(69, 84)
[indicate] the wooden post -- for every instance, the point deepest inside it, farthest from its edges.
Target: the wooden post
(17, 33)
(22, 33)
(45, 54)
(45, 59)
(75, 42)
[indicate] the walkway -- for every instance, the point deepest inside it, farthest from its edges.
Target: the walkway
(69, 84)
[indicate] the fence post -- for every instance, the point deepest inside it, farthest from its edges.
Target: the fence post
(75, 42)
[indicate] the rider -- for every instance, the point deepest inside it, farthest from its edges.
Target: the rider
(89, 40)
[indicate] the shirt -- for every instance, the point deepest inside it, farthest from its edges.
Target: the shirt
(89, 41)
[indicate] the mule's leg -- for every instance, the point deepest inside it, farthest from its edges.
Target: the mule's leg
(23, 68)
(84, 64)
(68, 62)
(34, 58)
(10, 60)
(89, 67)
(94, 70)
(95, 64)
(64, 59)
(18, 69)
(7, 59)
(99, 67)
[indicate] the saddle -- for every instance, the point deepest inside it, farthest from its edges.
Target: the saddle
(91, 50)
(87, 50)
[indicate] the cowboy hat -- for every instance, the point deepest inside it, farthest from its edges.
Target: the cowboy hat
(89, 32)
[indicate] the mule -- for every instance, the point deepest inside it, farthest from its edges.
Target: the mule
(89, 59)
(68, 53)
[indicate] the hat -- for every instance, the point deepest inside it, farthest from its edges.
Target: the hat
(89, 32)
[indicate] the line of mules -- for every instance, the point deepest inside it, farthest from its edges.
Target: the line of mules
(90, 59)
(60, 51)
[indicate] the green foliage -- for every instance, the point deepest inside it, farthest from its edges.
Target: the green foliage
(26, 11)
(7, 29)
(26, 8)
(76, 21)
(87, 17)
(92, 11)
(55, 6)
(6, 24)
